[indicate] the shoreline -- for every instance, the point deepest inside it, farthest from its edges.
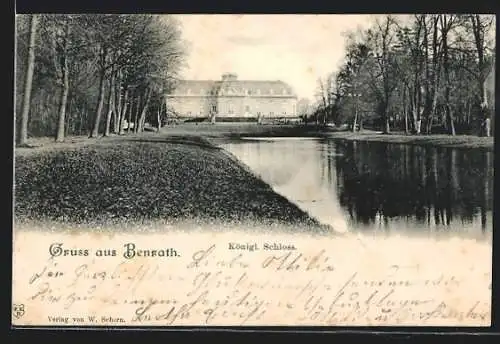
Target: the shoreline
(445, 141)
(226, 132)
(435, 140)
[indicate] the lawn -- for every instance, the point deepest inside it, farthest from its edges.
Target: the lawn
(130, 180)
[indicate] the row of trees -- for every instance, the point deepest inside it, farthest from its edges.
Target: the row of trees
(93, 74)
(420, 73)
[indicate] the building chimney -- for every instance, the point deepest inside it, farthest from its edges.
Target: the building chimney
(229, 77)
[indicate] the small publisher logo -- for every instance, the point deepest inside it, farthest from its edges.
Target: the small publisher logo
(18, 310)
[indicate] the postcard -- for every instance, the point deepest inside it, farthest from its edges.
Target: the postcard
(253, 170)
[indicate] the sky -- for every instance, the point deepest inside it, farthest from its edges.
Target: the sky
(297, 49)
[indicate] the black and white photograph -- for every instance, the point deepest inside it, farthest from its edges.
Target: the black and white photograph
(253, 169)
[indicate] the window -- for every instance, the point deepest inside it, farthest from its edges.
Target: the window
(230, 108)
(271, 113)
(214, 108)
(247, 108)
(284, 112)
(189, 113)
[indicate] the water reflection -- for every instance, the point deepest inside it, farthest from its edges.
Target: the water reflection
(425, 186)
(377, 186)
(295, 169)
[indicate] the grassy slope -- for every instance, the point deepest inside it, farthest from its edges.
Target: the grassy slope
(128, 180)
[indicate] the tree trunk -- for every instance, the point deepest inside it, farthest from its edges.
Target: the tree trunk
(121, 131)
(405, 113)
(117, 104)
(419, 110)
(110, 104)
(100, 101)
(427, 82)
(65, 88)
(70, 125)
(100, 104)
(485, 118)
(451, 120)
(159, 116)
(417, 99)
(129, 117)
(64, 99)
(80, 124)
(385, 117)
(114, 119)
(23, 138)
(137, 114)
(445, 27)
(487, 127)
(142, 123)
(469, 106)
(418, 126)
(117, 111)
(355, 121)
(431, 110)
(142, 118)
(87, 117)
(478, 32)
(118, 114)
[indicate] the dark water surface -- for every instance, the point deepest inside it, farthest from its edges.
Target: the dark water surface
(379, 187)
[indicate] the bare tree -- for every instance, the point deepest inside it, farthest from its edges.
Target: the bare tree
(23, 138)
(432, 69)
(481, 25)
(382, 39)
(111, 103)
(92, 61)
(446, 24)
(62, 68)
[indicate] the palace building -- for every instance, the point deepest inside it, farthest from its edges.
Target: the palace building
(232, 98)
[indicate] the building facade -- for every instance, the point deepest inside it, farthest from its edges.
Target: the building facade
(232, 98)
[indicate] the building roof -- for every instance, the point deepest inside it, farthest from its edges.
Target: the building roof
(233, 87)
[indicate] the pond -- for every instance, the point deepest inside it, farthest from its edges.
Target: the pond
(378, 187)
